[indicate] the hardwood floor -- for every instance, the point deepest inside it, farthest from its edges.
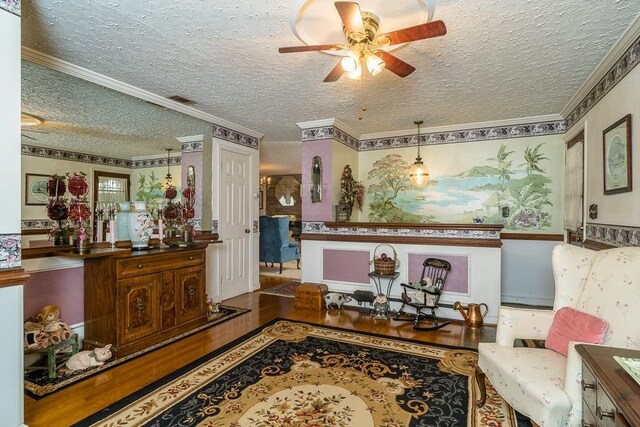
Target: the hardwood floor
(80, 400)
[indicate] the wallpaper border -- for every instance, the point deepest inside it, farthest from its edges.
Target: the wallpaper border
(12, 6)
(614, 235)
(10, 251)
(235, 137)
(524, 130)
(319, 227)
(616, 73)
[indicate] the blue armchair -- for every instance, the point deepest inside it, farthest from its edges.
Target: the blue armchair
(274, 241)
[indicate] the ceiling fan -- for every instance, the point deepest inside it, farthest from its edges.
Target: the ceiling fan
(365, 44)
(28, 120)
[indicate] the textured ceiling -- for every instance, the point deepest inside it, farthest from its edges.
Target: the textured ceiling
(85, 117)
(500, 59)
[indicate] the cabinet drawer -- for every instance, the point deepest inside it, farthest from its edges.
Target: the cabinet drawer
(138, 266)
(589, 385)
(605, 409)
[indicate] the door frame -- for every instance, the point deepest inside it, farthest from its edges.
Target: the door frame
(215, 252)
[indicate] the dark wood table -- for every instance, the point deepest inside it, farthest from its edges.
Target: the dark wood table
(610, 378)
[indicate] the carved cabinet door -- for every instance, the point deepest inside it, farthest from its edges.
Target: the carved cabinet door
(190, 293)
(138, 307)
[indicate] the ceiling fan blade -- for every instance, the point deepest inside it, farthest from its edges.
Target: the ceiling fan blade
(419, 32)
(394, 64)
(309, 48)
(335, 74)
(351, 17)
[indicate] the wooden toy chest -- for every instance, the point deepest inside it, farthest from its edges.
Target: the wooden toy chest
(310, 296)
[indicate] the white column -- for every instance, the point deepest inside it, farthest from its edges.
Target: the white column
(11, 300)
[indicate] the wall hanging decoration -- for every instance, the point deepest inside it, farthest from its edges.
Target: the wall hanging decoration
(616, 144)
(35, 189)
(351, 194)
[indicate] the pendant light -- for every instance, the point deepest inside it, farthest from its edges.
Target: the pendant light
(168, 180)
(418, 173)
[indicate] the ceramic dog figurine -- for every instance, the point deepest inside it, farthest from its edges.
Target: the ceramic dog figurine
(89, 359)
(336, 299)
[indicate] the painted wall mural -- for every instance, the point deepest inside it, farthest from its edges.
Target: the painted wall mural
(518, 184)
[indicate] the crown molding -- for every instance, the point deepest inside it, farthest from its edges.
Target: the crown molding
(316, 123)
(463, 126)
(91, 76)
(619, 48)
(192, 138)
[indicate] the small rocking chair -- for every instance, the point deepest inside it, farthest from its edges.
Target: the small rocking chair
(426, 297)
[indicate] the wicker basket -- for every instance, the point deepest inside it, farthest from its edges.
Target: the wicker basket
(384, 266)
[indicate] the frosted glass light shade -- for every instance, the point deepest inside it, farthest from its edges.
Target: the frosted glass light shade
(418, 174)
(349, 64)
(374, 64)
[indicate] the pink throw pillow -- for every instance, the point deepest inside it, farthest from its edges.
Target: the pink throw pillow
(572, 325)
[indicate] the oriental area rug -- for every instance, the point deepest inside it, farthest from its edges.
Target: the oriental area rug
(296, 374)
(38, 384)
(287, 289)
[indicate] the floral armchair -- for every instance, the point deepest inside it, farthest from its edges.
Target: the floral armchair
(274, 241)
(543, 384)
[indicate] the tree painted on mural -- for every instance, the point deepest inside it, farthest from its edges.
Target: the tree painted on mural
(526, 197)
(504, 164)
(389, 176)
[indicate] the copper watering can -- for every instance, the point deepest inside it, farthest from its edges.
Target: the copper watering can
(472, 313)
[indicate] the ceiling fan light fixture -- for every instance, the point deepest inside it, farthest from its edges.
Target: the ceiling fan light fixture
(374, 64)
(355, 74)
(383, 41)
(349, 63)
(27, 119)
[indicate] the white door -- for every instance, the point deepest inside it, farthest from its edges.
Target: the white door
(235, 229)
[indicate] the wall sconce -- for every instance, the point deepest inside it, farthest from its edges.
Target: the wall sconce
(505, 212)
(593, 211)
(265, 181)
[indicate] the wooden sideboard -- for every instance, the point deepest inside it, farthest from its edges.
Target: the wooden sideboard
(135, 299)
(610, 396)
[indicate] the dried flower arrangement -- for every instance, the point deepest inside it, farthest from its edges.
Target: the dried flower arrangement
(72, 215)
(351, 191)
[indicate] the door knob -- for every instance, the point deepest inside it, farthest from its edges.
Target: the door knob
(247, 231)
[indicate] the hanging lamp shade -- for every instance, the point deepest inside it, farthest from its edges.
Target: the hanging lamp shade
(418, 172)
(168, 179)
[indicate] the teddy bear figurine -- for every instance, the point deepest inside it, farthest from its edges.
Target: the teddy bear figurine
(45, 329)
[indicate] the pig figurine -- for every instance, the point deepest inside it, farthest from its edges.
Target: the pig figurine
(335, 299)
(89, 359)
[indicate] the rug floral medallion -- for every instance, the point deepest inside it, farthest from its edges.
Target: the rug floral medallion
(295, 374)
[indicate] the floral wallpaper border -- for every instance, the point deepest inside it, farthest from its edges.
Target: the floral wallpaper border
(235, 137)
(48, 153)
(192, 147)
(10, 251)
(11, 6)
(452, 137)
(621, 68)
(614, 235)
(32, 150)
(37, 224)
(318, 227)
(152, 163)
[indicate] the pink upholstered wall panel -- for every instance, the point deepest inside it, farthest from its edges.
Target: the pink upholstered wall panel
(60, 287)
(345, 266)
(458, 278)
(321, 211)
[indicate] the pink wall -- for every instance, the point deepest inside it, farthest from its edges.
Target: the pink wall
(321, 211)
(346, 266)
(458, 278)
(60, 287)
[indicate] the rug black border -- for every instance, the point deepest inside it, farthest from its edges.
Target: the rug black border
(121, 403)
(242, 311)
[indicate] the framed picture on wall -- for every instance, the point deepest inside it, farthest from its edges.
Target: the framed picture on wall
(616, 144)
(260, 201)
(35, 189)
